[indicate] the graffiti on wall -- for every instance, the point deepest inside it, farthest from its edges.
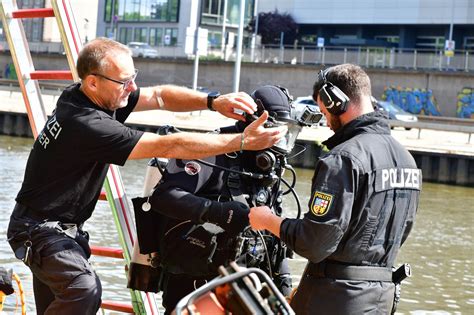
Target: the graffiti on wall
(9, 72)
(465, 104)
(416, 101)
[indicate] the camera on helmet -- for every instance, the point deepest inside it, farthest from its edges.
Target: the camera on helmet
(308, 116)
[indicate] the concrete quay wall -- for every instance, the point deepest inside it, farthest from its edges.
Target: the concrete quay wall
(441, 167)
(218, 75)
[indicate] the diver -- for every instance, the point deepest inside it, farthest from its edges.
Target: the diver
(199, 209)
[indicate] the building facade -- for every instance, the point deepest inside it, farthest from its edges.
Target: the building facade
(163, 23)
(413, 24)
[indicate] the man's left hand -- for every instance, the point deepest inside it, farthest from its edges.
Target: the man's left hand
(262, 218)
(227, 104)
(258, 217)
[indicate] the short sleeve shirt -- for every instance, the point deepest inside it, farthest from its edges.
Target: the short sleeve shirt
(69, 160)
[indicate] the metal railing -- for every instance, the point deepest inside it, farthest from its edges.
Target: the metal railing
(369, 57)
(390, 58)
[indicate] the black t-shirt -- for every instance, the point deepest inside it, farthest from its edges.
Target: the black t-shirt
(69, 160)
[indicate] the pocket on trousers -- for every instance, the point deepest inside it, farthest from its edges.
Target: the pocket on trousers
(58, 270)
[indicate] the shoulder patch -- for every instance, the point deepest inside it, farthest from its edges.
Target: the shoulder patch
(192, 168)
(321, 203)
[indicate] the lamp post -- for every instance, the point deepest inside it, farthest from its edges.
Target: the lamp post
(448, 60)
(255, 33)
(112, 17)
(238, 56)
(223, 39)
(86, 27)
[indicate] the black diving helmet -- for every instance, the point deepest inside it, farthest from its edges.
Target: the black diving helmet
(279, 104)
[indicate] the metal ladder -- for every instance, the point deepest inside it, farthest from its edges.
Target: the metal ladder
(142, 303)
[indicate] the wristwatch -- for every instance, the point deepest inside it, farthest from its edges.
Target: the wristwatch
(210, 99)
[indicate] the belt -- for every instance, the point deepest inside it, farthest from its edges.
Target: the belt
(23, 211)
(327, 269)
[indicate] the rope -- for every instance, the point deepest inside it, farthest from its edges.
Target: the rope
(20, 292)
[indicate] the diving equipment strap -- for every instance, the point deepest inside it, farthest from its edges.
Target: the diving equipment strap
(233, 182)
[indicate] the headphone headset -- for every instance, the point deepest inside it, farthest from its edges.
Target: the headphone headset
(332, 97)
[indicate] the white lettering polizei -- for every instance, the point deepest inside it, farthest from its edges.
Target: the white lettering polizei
(43, 139)
(400, 178)
(53, 128)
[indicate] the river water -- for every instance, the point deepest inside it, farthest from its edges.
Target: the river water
(440, 249)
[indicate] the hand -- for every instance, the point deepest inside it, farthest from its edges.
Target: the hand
(257, 137)
(258, 217)
(227, 104)
(232, 216)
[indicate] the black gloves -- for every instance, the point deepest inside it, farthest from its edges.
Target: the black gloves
(232, 216)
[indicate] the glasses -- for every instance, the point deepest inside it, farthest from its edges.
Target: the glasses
(125, 84)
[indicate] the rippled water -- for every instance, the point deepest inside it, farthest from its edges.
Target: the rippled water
(440, 249)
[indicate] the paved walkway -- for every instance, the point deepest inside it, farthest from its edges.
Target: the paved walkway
(429, 141)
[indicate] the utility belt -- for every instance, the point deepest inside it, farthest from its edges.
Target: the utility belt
(328, 269)
(31, 233)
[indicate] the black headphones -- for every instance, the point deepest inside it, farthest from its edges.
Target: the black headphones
(332, 97)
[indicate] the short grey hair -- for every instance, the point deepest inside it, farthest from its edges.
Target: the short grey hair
(92, 57)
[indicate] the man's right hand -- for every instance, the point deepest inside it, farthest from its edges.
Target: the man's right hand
(257, 137)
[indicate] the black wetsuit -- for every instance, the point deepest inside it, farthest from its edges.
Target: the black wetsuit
(178, 203)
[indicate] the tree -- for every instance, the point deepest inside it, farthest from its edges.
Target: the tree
(270, 26)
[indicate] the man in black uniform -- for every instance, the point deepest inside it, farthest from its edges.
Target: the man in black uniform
(69, 160)
(365, 194)
(194, 193)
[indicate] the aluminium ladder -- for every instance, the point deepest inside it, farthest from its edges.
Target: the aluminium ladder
(142, 303)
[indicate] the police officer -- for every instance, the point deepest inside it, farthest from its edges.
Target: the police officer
(69, 160)
(364, 197)
(219, 190)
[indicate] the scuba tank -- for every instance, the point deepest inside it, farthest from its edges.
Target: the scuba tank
(144, 271)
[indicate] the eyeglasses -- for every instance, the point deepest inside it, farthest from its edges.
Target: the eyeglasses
(125, 84)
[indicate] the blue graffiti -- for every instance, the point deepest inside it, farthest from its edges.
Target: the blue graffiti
(465, 105)
(415, 101)
(10, 72)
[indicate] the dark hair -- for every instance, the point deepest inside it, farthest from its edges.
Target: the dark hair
(349, 78)
(92, 57)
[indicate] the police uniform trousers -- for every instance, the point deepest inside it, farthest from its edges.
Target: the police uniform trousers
(332, 296)
(63, 279)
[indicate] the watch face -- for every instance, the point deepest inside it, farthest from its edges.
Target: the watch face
(214, 94)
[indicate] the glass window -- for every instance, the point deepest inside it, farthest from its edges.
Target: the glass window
(156, 36)
(430, 42)
(121, 9)
(213, 11)
(109, 33)
(33, 27)
(214, 39)
(171, 37)
(468, 42)
(140, 34)
(125, 35)
(131, 11)
(108, 10)
(144, 10)
(389, 38)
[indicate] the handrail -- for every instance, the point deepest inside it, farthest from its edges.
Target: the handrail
(420, 125)
(44, 84)
(446, 120)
